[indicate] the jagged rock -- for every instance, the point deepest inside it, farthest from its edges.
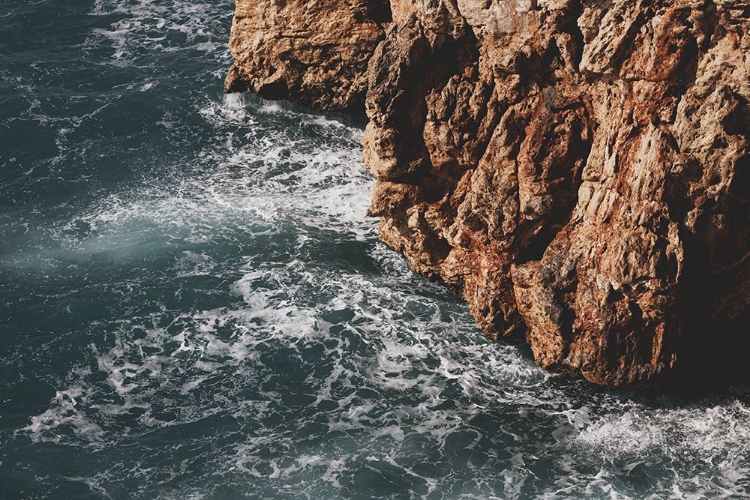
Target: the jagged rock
(314, 52)
(579, 170)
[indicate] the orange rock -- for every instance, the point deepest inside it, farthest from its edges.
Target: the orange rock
(578, 170)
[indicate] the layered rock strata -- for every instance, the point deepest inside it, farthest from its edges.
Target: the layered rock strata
(578, 170)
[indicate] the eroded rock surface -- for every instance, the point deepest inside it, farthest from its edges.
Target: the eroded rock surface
(313, 52)
(579, 170)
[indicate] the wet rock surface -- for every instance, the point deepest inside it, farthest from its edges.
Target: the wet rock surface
(579, 171)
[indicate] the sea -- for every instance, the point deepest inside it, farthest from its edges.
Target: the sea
(193, 304)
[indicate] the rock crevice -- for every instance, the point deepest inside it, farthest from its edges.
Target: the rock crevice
(578, 170)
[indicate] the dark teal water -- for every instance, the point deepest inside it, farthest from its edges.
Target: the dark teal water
(193, 304)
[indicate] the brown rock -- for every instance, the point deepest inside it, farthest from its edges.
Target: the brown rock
(314, 52)
(579, 170)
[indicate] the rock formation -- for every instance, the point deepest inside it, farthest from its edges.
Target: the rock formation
(312, 52)
(578, 170)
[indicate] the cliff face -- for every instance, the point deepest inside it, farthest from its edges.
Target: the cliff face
(579, 170)
(312, 52)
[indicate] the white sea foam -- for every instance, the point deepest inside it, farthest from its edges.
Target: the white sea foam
(151, 25)
(328, 372)
(236, 188)
(67, 413)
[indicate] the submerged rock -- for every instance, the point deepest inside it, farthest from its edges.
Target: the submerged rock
(578, 170)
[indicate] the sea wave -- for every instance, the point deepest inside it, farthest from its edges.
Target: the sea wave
(222, 321)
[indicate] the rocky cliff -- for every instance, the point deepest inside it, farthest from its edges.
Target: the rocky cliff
(578, 170)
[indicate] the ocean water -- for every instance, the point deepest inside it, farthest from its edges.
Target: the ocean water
(194, 306)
